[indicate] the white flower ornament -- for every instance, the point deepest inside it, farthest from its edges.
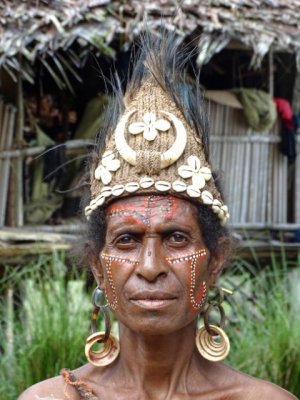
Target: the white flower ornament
(194, 170)
(149, 127)
(107, 165)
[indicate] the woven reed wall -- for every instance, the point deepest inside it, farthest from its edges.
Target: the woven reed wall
(254, 171)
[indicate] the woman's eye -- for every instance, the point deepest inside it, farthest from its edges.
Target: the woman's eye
(178, 238)
(125, 240)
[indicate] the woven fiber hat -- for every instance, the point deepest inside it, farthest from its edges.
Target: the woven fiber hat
(157, 145)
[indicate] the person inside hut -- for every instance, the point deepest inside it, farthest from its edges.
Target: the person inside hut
(158, 241)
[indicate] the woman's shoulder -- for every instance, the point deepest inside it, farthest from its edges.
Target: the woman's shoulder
(251, 388)
(259, 389)
(59, 387)
(50, 389)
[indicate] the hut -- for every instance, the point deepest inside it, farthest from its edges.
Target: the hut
(54, 58)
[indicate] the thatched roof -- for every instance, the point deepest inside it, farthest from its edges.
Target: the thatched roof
(36, 28)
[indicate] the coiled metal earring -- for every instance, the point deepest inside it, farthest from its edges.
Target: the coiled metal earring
(111, 347)
(211, 340)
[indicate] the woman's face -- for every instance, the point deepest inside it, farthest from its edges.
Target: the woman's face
(155, 264)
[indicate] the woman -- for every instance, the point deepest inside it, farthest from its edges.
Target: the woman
(157, 243)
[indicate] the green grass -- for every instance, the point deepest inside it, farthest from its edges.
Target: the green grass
(265, 328)
(44, 320)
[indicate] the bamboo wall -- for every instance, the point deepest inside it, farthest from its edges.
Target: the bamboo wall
(254, 171)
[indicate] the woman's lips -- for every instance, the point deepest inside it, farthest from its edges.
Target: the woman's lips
(152, 299)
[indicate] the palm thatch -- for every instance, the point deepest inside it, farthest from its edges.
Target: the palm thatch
(35, 29)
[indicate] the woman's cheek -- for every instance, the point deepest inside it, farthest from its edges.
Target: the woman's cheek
(112, 265)
(195, 263)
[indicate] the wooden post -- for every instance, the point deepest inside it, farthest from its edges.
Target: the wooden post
(6, 143)
(19, 202)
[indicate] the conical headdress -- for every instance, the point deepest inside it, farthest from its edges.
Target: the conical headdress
(157, 146)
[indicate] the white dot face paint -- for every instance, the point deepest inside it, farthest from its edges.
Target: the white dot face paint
(155, 262)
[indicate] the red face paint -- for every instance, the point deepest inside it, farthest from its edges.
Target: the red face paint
(194, 263)
(158, 230)
(146, 210)
(110, 261)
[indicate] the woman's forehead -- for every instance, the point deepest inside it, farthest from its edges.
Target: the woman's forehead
(147, 207)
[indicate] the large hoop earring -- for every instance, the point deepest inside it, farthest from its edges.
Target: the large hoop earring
(111, 347)
(211, 340)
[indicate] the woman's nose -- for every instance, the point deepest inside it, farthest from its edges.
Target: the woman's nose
(151, 263)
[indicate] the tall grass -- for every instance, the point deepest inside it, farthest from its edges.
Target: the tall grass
(265, 333)
(44, 321)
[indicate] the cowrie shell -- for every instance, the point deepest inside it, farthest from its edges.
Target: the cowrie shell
(132, 187)
(216, 209)
(146, 182)
(94, 206)
(179, 186)
(225, 209)
(88, 211)
(221, 214)
(117, 190)
(162, 186)
(106, 191)
(100, 200)
(207, 197)
(216, 202)
(185, 171)
(206, 172)
(192, 191)
(97, 173)
(162, 125)
(194, 163)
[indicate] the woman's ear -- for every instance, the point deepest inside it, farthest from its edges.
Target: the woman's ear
(95, 264)
(219, 259)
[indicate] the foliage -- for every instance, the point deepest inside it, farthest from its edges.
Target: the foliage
(265, 327)
(44, 323)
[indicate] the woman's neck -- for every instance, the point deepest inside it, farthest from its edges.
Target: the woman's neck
(158, 364)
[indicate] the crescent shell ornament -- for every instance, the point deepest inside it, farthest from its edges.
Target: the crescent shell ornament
(167, 158)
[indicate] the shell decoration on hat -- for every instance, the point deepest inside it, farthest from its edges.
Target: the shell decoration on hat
(149, 127)
(152, 150)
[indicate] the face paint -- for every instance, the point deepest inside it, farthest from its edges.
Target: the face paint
(165, 206)
(197, 300)
(138, 229)
(108, 261)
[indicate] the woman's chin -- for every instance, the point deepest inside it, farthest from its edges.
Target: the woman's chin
(154, 324)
